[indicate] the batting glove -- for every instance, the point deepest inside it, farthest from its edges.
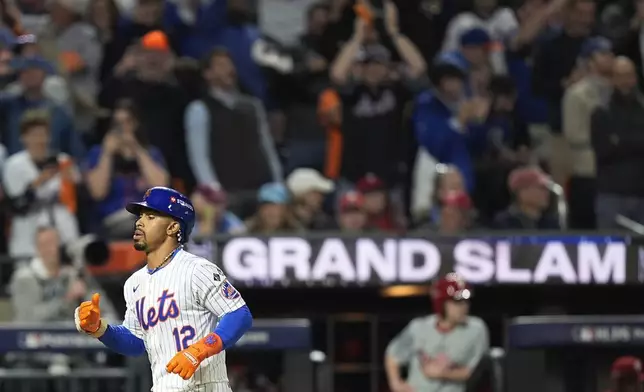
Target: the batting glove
(186, 362)
(88, 318)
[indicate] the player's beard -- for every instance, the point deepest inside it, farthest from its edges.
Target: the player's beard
(141, 245)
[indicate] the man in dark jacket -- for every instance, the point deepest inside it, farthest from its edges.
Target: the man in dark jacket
(618, 141)
(227, 136)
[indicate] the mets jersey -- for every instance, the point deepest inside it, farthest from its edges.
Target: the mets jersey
(172, 308)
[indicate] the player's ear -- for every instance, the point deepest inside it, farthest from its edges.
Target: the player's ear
(173, 228)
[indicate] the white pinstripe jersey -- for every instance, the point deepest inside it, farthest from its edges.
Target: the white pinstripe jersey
(173, 308)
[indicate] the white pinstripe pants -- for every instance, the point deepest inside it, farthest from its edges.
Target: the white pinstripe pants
(212, 387)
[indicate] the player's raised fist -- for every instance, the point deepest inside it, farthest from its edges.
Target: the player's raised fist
(88, 316)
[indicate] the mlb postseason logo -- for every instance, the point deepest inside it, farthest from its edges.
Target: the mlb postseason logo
(57, 340)
(290, 261)
(608, 334)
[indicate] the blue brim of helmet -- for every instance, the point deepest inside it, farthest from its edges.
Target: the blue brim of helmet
(135, 208)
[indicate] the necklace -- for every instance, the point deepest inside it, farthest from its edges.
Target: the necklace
(166, 260)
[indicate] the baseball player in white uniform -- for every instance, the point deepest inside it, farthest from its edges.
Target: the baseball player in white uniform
(173, 304)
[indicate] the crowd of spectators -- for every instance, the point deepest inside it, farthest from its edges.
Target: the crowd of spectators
(377, 116)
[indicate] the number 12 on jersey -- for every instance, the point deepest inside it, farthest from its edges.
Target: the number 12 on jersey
(183, 336)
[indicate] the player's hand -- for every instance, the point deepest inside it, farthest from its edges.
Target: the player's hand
(434, 368)
(88, 316)
(186, 362)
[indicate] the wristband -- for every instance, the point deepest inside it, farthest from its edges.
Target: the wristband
(214, 344)
(100, 331)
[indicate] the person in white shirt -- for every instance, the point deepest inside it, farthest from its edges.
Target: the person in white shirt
(37, 183)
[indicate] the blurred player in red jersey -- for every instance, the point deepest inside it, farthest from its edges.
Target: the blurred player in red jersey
(441, 349)
(626, 375)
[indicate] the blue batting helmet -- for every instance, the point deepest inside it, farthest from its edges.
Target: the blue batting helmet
(169, 202)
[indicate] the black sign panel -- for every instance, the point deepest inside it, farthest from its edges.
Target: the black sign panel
(377, 261)
(553, 331)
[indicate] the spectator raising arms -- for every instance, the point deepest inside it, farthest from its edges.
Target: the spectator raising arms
(121, 169)
(373, 94)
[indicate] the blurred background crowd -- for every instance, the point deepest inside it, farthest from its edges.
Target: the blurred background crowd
(300, 116)
(341, 116)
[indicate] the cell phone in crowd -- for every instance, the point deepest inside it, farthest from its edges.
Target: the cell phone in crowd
(50, 162)
(116, 128)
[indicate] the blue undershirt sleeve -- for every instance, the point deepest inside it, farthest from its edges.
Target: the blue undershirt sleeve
(121, 340)
(234, 325)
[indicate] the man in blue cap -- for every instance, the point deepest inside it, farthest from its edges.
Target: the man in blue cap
(474, 57)
(472, 52)
(173, 303)
(579, 102)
